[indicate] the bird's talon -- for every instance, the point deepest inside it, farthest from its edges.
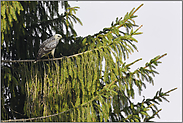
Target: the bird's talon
(64, 57)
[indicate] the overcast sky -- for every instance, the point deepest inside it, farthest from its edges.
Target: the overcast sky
(162, 33)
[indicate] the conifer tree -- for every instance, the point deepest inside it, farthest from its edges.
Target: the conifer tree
(73, 88)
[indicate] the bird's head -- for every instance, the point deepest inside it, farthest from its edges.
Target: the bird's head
(57, 36)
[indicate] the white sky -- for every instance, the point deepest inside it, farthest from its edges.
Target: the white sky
(162, 33)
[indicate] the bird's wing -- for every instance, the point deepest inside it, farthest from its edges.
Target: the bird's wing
(47, 46)
(50, 45)
(47, 41)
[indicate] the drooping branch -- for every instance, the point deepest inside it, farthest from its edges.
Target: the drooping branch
(81, 105)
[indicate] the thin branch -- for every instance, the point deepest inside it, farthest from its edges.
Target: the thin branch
(130, 16)
(53, 59)
(155, 60)
(35, 118)
(137, 9)
(17, 61)
(170, 91)
(137, 29)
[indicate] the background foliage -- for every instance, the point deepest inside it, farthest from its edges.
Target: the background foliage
(92, 83)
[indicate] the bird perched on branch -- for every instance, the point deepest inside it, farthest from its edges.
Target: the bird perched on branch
(48, 46)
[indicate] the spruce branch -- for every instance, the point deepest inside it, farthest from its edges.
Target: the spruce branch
(158, 97)
(81, 105)
(142, 109)
(151, 62)
(128, 16)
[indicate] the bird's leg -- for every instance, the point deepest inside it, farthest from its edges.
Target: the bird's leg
(64, 57)
(53, 52)
(53, 57)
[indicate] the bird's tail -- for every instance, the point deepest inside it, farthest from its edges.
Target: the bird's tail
(35, 60)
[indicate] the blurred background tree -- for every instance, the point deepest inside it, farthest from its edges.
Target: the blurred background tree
(92, 83)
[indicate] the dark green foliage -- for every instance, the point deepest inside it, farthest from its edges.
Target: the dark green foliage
(22, 40)
(92, 83)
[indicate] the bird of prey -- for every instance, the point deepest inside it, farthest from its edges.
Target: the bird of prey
(48, 46)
